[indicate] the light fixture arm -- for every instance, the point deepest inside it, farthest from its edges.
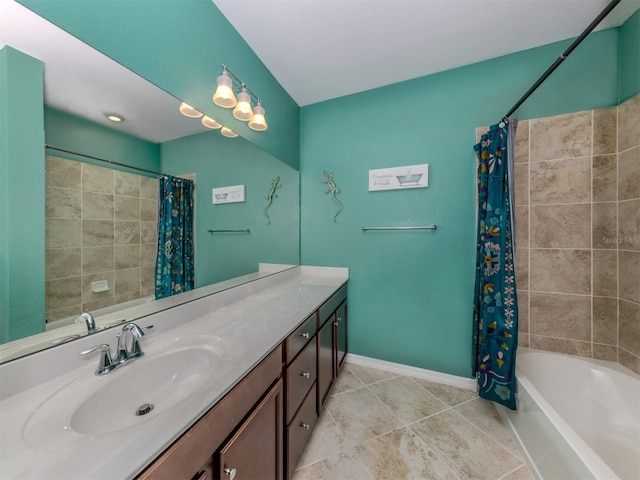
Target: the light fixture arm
(241, 84)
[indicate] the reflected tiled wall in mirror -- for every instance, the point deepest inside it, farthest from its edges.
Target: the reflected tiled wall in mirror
(101, 225)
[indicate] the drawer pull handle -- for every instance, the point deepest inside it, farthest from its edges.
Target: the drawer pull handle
(305, 374)
(304, 425)
(231, 473)
(339, 319)
(304, 334)
(336, 323)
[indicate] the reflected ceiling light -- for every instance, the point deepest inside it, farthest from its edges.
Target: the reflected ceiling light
(210, 123)
(189, 111)
(227, 132)
(258, 122)
(224, 97)
(114, 117)
(228, 85)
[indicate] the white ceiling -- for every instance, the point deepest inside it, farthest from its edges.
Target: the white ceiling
(323, 49)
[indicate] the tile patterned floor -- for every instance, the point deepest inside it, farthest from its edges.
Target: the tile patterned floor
(380, 425)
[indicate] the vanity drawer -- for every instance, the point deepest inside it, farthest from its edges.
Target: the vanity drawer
(300, 337)
(300, 429)
(328, 307)
(300, 376)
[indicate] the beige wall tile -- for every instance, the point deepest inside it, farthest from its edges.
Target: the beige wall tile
(630, 326)
(90, 296)
(97, 259)
(64, 313)
(523, 340)
(605, 225)
(96, 304)
(63, 233)
(126, 184)
(629, 360)
(126, 208)
(147, 278)
(522, 269)
(62, 292)
(127, 281)
(521, 184)
(629, 224)
(605, 131)
(629, 123)
(127, 256)
(605, 178)
(97, 179)
(127, 233)
(605, 352)
(629, 174)
(563, 181)
(149, 188)
(148, 254)
(522, 226)
(629, 275)
(561, 316)
(561, 226)
(62, 263)
(605, 320)
(522, 142)
(560, 345)
(605, 273)
(560, 271)
(147, 292)
(148, 210)
(97, 233)
(62, 203)
(523, 312)
(149, 232)
(127, 297)
(96, 206)
(561, 136)
(62, 173)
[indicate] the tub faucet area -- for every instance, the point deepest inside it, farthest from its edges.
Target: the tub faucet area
(88, 319)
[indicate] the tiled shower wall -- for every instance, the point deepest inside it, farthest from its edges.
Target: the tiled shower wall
(577, 197)
(101, 224)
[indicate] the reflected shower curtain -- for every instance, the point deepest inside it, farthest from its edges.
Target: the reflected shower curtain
(174, 261)
(495, 313)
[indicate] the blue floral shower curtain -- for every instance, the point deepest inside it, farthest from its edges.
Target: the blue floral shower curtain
(495, 315)
(174, 261)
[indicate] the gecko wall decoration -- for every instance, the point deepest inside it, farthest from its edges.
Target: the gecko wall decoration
(271, 194)
(332, 190)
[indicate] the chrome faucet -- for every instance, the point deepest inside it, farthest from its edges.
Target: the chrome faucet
(128, 349)
(88, 319)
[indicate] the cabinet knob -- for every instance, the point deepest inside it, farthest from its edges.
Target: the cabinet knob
(304, 425)
(339, 319)
(304, 334)
(305, 374)
(230, 472)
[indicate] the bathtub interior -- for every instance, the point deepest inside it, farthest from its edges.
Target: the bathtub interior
(582, 423)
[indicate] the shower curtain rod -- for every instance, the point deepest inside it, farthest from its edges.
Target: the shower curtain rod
(159, 174)
(562, 57)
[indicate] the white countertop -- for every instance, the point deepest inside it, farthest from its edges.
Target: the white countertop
(245, 322)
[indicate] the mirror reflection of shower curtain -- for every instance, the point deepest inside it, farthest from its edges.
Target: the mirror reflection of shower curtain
(495, 312)
(174, 261)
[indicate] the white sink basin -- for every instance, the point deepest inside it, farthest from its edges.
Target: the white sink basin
(100, 405)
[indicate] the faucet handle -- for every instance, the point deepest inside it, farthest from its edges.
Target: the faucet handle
(106, 363)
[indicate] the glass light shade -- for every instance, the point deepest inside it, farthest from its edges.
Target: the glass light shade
(224, 96)
(114, 117)
(210, 123)
(258, 122)
(227, 132)
(243, 108)
(189, 111)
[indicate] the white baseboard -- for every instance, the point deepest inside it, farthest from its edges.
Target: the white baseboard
(430, 375)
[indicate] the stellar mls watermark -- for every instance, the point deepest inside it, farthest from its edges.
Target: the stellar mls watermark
(622, 240)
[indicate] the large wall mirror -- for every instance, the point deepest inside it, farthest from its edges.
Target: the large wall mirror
(101, 218)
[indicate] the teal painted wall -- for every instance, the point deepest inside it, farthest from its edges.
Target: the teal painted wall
(218, 162)
(629, 57)
(410, 293)
(21, 196)
(179, 46)
(67, 131)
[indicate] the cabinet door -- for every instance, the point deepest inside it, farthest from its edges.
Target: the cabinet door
(341, 336)
(255, 450)
(325, 361)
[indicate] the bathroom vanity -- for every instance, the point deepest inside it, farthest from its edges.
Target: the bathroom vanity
(236, 381)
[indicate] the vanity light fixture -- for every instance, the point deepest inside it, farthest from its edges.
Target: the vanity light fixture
(189, 111)
(227, 86)
(114, 117)
(227, 132)
(210, 123)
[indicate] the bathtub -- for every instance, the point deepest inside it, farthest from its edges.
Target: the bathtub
(577, 418)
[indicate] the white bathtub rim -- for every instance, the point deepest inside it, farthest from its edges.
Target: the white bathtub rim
(584, 452)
